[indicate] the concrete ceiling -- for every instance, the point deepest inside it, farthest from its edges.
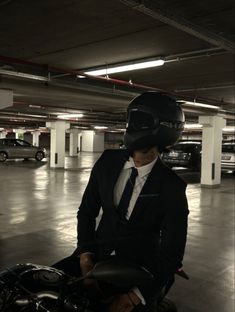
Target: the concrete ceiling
(45, 44)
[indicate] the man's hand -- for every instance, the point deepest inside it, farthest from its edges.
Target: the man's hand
(86, 262)
(123, 303)
(86, 265)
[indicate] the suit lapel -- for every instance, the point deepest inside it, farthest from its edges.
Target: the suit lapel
(114, 174)
(151, 189)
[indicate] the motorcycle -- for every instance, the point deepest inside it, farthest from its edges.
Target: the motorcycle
(31, 287)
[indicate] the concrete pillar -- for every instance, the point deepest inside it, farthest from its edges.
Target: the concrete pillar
(211, 150)
(98, 144)
(19, 133)
(92, 141)
(74, 142)
(3, 134)
(36, 135)
(6, 98)
(57, 150)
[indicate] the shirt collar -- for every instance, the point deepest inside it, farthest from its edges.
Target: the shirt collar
(143, 170)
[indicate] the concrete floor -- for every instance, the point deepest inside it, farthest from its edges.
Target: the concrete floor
(38, 207)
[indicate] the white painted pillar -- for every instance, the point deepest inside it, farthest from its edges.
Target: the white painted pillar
(74, 142)
(87, 140)
(92, 141)
(57, 149)
(211, 150)
(19, 133)
(3, 134)
(36, 135)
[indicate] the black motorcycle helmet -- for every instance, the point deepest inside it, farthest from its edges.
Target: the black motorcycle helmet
(153, 119)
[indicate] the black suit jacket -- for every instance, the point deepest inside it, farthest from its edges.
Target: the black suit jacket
(155, 234)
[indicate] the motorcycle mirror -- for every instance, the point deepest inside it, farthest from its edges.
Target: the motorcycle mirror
(120, 273)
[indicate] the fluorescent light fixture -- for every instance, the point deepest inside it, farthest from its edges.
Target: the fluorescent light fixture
(100, 127)
(81, 76)
(35, 106)
(199, 104)
(123, 68)
(192, 126)
(69, 116)
(120, 130)
(229, 129)
(82, 127)
(199, 126)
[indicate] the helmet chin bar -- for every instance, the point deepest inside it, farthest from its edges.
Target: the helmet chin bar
(166, 134)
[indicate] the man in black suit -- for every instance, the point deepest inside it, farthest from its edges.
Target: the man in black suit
(144, 206)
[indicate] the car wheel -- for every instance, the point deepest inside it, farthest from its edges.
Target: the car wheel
(39, 156)
(166, 305)
(3, 156)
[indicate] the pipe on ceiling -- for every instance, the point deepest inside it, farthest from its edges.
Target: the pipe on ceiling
(105, 79)
(58, 93)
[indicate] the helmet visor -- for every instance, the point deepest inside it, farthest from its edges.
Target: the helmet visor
(139, 120)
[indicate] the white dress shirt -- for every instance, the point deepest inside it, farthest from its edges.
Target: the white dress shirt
(143, 173)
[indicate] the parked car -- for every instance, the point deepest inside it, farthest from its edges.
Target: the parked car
(16, 148)
(228, 156)
(184, 154)
(188, 154)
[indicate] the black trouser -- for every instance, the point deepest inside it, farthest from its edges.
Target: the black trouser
(71, 266)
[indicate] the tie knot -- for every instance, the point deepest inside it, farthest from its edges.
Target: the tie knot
(134, 173)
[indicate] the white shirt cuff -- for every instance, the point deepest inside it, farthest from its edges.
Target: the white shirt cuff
(138, 294)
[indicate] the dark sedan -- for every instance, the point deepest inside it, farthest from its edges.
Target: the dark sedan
(184, 154)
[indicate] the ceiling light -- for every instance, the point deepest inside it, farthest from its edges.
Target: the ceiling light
(125, 67)
(69, 116)
(100, 127)
(35, 106)
(81, 76)
(82, 127)
(229, 129)
(199, 104)
(120, 130)
(199, 126)
(192, 126)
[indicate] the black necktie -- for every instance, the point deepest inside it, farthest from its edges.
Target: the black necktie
(127, 193)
